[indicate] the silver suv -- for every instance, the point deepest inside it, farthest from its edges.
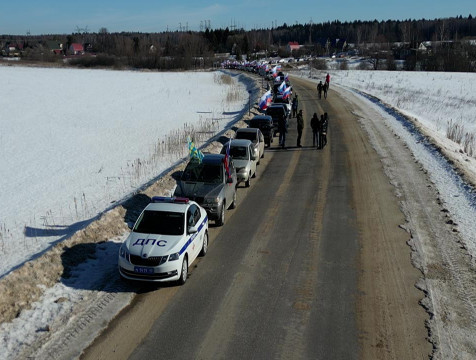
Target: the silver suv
(207, 183)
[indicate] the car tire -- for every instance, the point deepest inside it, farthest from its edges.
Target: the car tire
(204, 250)
(233, 204)
(221, 219)
(248, 182)
(254, 175)
(183, 271)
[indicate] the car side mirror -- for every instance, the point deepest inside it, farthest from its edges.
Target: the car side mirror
(192, 229)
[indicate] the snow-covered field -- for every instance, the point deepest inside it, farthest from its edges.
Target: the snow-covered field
(440, 101)
(74, 142)
(133, 119)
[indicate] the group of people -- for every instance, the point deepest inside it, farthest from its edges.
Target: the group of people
(319, 130)
(323, 87)
(318, 124)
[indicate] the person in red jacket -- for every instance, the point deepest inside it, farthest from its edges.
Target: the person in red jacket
(328, 80)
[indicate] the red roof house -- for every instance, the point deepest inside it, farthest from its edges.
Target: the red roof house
(76, 49)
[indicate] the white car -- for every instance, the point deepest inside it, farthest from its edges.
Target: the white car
(256, 137)
(167, 237)
(242, 153)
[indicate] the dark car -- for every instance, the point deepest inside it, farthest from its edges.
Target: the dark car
(277, 111)
(207, 183)
(280, 100)
(265, 124)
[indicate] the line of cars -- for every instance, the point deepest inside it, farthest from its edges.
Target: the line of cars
(171, 232)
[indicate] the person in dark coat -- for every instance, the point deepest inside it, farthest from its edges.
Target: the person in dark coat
(282, 129)
(325, 125)
(315, 129)
(320, 87)
(295, 105)
(320, 128)
(300, 127)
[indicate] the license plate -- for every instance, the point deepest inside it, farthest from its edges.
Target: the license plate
(143, 270)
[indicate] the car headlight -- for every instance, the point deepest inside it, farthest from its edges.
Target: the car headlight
(212, 200)
(175, 256)
(123, 253)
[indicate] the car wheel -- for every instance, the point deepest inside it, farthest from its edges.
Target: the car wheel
(183, 271)
(204, 250)
(221, 220)
(254, 175)
(262, 155)
(248, 182)
(233, 204)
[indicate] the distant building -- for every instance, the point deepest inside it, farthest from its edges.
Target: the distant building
(12, 49)
(76, 49)
(54, 46)
(293, 45)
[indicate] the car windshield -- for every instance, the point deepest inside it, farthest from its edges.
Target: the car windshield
(246, 135)
(203, 173)
(238, 153)
(281, 101)
(160, 223)
(259, 123)
(274, 111)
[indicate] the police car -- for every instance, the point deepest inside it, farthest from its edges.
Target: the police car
(167, 237)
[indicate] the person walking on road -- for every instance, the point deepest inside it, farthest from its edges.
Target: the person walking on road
(325, 125)
(314, 126)
(328, 80)
(319, 89)
(283, 129)
(295, 105)
(325, 88)
(300, 127)
(320, 128)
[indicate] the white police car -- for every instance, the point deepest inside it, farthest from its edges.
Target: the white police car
(166, 238)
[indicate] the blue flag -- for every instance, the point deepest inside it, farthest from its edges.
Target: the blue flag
(193, 152)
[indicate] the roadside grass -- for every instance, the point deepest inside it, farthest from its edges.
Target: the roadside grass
(456, 132)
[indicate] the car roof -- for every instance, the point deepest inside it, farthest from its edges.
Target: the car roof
(213, 159)
(239, 142)
(274, 105)
(262, 117)
(172, 207)
(249, 130)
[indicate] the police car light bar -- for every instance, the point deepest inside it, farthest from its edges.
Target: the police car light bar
(165, 199)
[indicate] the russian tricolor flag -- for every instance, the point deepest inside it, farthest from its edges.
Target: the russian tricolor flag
(265, 100)
(287, 92)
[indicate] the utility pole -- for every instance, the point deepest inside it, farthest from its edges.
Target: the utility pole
(310, 32)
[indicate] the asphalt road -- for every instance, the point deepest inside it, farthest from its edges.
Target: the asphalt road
(310, 265)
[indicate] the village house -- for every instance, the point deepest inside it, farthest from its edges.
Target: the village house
(292, 45)
(76, 49)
